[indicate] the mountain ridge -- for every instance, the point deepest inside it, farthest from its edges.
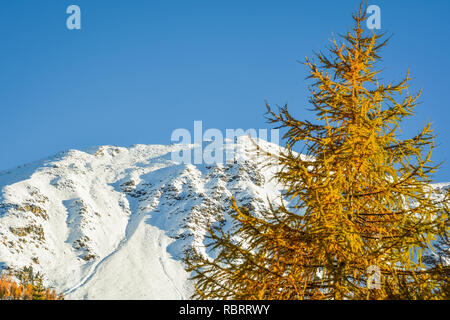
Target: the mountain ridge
(114, 223)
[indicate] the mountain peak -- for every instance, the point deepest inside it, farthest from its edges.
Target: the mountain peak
(112, 222)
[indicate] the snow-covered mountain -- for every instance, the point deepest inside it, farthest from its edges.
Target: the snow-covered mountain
(114, 223)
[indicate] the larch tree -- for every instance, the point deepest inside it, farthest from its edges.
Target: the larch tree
(359, 211)
(29, 287)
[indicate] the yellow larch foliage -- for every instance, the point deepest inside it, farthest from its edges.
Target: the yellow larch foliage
(360, 197)
(11, 290)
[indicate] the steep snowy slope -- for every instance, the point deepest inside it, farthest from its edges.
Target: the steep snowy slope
(114, 223)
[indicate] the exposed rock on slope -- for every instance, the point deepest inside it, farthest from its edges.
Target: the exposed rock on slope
(113, 223)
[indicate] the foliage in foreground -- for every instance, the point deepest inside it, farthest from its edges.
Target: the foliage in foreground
(30, 287)
(361, 213)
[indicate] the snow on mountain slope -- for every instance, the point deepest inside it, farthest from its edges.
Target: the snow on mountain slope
(114, 223)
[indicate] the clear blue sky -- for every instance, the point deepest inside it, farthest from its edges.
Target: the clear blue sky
(139, 69)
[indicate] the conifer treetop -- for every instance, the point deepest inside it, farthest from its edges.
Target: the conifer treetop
(359, 201)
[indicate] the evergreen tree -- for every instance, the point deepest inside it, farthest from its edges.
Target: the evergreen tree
(30, 286)
(360, 204)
